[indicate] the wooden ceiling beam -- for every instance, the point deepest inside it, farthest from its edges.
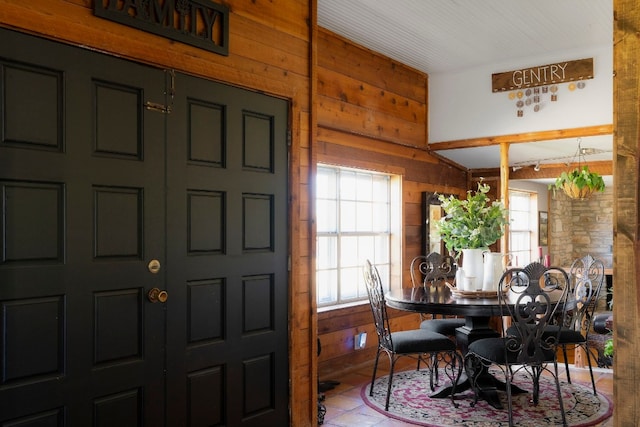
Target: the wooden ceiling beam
(546, 170)
(523, 137)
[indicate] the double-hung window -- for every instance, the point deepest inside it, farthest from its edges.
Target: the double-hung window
(523, 208)
(354, 222)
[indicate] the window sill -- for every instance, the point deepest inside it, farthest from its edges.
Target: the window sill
(342, 306)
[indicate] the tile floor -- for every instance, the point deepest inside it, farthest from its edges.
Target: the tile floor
(345, 408)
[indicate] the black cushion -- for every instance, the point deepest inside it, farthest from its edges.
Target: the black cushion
(603, 322)
(493, 349)
(442, 326)
(567, 335)
(420, 341)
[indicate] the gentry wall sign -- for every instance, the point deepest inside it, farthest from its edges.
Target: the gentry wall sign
(199, 23)
(543, 75)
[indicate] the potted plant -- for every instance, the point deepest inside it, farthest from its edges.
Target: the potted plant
(579, 183)
(470, 226)
(472, 223)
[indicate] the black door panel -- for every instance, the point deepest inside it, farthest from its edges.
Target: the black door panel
(95, 186)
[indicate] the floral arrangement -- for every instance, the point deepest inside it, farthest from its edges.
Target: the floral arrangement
(473, 223)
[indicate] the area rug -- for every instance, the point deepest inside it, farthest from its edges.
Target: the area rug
(410, 403)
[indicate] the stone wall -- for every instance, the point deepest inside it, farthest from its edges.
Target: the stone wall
(581, 227)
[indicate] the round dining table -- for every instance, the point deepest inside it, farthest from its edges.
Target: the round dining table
(477, 308)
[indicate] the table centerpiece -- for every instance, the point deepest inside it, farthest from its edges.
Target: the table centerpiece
(469, 227)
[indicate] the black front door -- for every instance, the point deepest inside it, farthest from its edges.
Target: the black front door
(227, 242)
(108, 195)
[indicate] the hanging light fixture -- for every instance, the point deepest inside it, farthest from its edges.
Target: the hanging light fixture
(579, 183)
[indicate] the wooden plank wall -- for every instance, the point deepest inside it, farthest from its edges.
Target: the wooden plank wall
(626, 264)
(268, 52)
(372, 113)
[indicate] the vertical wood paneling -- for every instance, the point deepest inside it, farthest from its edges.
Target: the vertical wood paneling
(372, 113)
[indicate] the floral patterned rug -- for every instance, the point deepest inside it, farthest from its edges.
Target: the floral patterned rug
(410, 403)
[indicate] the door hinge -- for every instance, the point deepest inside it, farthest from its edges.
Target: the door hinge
(289, 138)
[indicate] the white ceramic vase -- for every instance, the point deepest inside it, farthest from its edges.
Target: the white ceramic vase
(473, 268)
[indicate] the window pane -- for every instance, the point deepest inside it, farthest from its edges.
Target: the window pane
(519, 220)
(519, 241)
(349, 251)
(327, 252)
(366, 250)
(347, 185)
(326, 215)
(380, 188)
(364, 187)
(364, 217)
(349, 282)
(347, 216)
(380, 217)
(353, 224)
(519, 201)
(326, 183)
(327, 286)
(382, 250)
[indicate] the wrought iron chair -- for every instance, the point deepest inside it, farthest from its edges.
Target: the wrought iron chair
(434, 270)
(587, 278)
(586, 281)
(532, 296)
(413, 343)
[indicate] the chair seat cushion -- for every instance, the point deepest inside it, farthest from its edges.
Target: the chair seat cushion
(442, 326)
(493, 349)
(566, 336)
(603, 322)
(420, 341)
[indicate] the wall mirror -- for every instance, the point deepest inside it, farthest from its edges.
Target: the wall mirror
(431, 212)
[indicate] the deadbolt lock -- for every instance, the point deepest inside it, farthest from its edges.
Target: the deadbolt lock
(156, 295)
(154, 266)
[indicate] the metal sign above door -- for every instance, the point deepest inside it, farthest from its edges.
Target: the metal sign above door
(199, 23)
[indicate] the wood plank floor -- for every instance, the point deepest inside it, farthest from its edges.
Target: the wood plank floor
(345, 408)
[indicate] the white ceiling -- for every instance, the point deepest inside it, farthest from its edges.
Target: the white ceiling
(438, 36)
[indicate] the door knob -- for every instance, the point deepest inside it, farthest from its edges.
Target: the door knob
(154, 266)
(156, 295)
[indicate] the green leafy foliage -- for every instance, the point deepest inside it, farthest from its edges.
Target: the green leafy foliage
(473, 223)
(608, 348)
(581, 178)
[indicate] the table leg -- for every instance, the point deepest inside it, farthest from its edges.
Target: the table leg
(475, 328)
(488, 387)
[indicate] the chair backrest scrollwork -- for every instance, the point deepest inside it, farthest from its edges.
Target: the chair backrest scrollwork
(587, 278)
(532, 296)
(431, 269)
(378, 304)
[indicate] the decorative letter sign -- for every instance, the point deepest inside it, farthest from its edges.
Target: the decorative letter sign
(543, 75)
(199, 23)
(529, 86)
